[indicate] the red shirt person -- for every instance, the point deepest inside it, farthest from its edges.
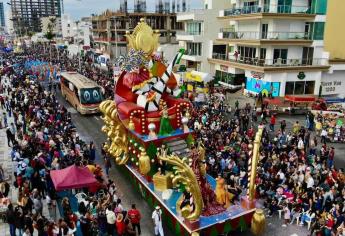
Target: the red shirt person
(135, 217)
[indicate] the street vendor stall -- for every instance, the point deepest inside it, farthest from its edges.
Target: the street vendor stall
(196, 84)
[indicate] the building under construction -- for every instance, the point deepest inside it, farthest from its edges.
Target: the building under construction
(109, 28)
(26, 14)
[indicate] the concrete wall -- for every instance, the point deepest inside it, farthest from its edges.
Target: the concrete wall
(333, 83)
(334, 30)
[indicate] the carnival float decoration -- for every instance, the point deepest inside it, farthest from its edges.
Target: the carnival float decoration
(152, 142)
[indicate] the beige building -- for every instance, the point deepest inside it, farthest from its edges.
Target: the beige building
(109, 29)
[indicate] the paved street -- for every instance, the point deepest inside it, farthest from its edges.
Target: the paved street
(89, 128)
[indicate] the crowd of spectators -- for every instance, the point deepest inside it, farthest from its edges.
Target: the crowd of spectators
(296, 179)
(42, 137)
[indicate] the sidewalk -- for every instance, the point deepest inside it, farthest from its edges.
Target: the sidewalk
(8, 167)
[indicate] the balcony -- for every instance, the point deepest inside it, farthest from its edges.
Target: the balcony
(111, 40)
(271, 38)
(196, 14)
(267, 10)
(191, 55)
(188, 35)
(262, 65)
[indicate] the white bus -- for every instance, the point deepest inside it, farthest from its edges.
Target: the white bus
(82, 93)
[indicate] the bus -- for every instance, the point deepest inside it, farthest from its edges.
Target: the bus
(82, 93)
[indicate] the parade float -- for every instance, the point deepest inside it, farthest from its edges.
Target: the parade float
(149, 136)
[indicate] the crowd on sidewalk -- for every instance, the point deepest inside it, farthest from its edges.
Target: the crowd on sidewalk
(42, 137)
(296, 178)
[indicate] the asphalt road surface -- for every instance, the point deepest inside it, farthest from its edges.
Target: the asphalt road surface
(89, 129)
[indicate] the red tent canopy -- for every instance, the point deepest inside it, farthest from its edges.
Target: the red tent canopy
(72, 177)
(300, 98)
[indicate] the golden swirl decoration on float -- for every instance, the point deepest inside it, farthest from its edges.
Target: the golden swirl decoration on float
(185, 175)
(143, 38)
(116, 132)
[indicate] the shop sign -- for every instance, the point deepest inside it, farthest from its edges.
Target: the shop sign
(257, 75)
(330, 87)
(301, 75)
(224, 68)
(257, 86)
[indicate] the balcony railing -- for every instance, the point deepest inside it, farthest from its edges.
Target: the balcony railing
(190, 33)
(251, 35)
(110, 39)
(279, 62)
(268, 9)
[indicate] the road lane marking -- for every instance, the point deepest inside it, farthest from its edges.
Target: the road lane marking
(96, 118)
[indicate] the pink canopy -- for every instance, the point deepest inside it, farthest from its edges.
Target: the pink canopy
(72, 177)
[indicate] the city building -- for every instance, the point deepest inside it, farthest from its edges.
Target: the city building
(52, 23)
(26, 14)
(332, 81)
(2, 15)
(273, 46)
(109, 30)
(201, 28)
(79, 31)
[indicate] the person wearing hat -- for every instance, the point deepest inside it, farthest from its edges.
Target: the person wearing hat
(157, 220)
(120, 225)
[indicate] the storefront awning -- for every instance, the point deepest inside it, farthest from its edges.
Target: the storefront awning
(274, 101)
(292, 98)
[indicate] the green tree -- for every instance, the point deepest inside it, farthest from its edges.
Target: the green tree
(50, 29)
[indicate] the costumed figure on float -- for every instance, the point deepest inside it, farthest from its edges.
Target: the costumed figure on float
(148, 134)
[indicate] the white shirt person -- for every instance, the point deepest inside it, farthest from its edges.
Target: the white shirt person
(157, 220)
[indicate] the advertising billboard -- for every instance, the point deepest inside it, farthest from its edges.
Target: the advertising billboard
(258, 85)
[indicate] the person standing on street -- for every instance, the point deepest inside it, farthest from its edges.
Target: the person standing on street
(272, 123)
(111, 218)
(11, 219)
(157, 220)
(10, 137)
(135, 216)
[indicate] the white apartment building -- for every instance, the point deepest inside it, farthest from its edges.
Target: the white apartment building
(78, 30)
(272, 45)
(200, 29)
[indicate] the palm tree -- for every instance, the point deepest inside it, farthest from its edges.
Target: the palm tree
(50, 32)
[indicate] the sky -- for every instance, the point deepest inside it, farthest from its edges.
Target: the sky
(80, 8)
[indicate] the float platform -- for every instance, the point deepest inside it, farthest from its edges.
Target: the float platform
(236, 217)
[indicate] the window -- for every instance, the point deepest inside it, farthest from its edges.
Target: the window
(318, 29)
(280, 56)
(299, 87)
(289, 88)
(194, 28)
(231, 49)
(194, 49)
(247, 52)
(319, 7)
(284, 6)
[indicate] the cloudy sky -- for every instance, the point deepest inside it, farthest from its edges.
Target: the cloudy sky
(79, 8)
